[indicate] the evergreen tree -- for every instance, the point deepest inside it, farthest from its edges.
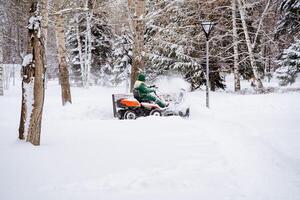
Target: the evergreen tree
(290, 22)
(122, 55)
(289, 64)
(173, 42)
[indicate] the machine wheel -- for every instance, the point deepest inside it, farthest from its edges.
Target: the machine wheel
(121, 114)
(130, 115)
(155, 112)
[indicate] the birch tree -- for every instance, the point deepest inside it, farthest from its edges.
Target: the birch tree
(33, 70)
(237, 83)
(90, 49)
(79, 48)
(256, 79)
(89, 5)
(62, 56)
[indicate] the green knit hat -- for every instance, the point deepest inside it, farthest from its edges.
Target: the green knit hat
(141, 77)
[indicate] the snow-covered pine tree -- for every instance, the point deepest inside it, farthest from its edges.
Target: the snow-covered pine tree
(122, 56)
(290, 22)
(289, 64)
(102, 49)
(289, 25)
(173, 42)
(102, 37)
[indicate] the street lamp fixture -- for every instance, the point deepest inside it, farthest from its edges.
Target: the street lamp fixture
(207, 28)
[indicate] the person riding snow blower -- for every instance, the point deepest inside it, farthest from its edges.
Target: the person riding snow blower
(144, 93)
(147, 103)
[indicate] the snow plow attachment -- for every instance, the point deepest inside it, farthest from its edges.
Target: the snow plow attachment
(125, 106)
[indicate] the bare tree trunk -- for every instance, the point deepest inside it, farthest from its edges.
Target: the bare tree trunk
(33, 87)
(45, 7)
(138, 63)
(79, 48)
(34, 132)
(45, 21)
(257, 80)
(89, 5)
(89, 16)
(237, 82)
(63, 66)
(62, 58)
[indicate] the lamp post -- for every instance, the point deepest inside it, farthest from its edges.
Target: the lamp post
(207, 28)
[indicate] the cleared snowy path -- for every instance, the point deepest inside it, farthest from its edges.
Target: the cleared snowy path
(245, 147)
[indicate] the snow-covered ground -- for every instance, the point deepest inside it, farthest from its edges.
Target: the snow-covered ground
(246, 147)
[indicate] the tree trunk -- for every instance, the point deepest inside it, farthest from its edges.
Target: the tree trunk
(138, 63)
(34, 132)
(63, 66)
(62, 58)
(79, 48)
(27, 93)
(237, 82)
(89, 4)
(45, 7)
(33, 87)
(89, 17)
(257, 80)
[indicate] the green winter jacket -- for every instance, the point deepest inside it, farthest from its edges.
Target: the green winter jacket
(142, 88)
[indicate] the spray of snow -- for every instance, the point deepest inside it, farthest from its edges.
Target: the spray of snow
(172, 84)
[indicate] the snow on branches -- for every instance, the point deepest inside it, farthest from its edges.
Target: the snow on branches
(289, 64)
(34, 22)
(27, 60)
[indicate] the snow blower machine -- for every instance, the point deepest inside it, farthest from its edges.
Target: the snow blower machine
(129, 107)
